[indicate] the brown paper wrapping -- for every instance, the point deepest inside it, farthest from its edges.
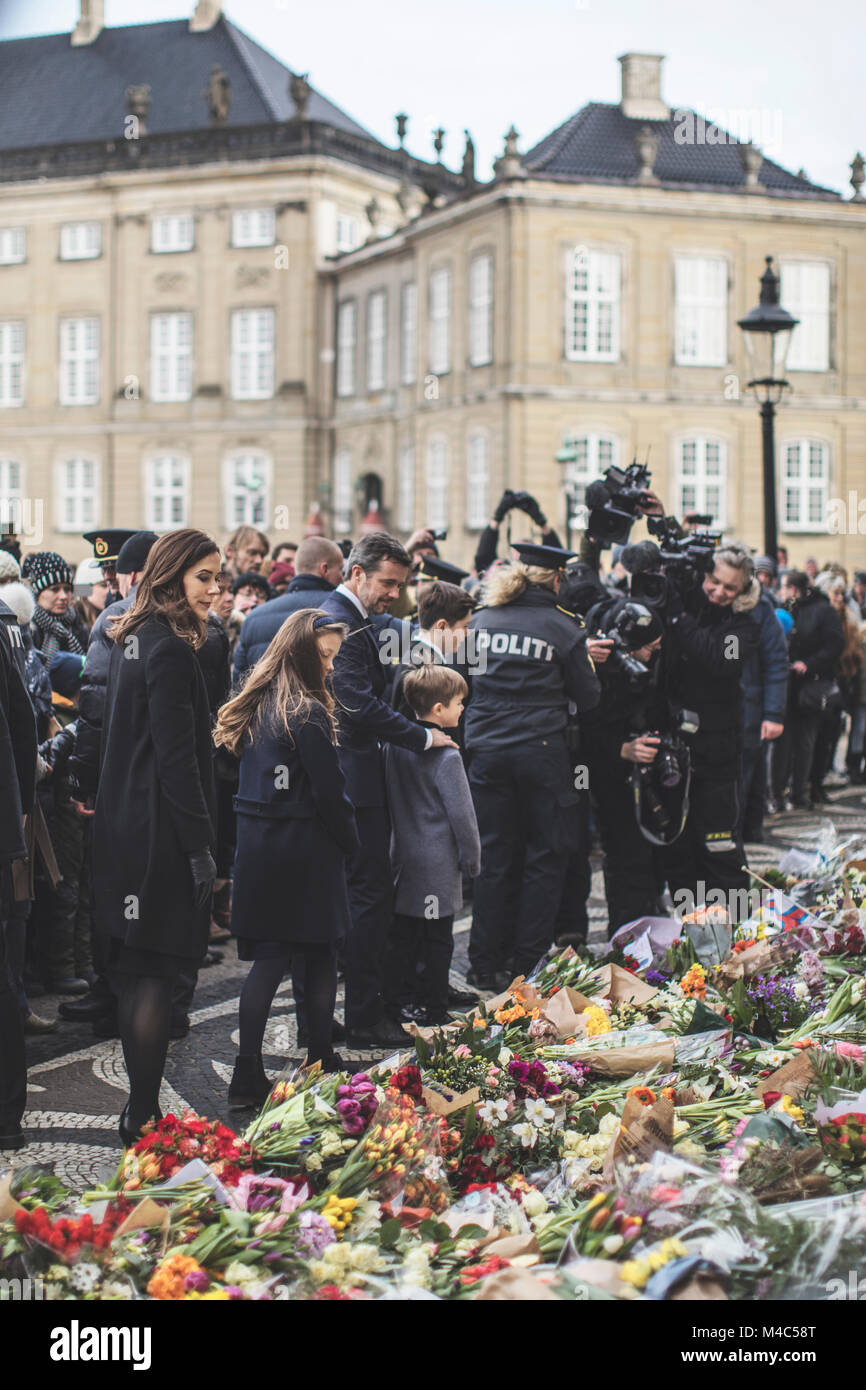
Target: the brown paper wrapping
(791, 1079)
(524, 1247)
(509, 1285)
(764, 955)
(624, 988)
(444, 1101)
(147, 1214)
(8, 1204)
(628, 1061)
(701, 1288)
(643, 1130)
(601, 1274)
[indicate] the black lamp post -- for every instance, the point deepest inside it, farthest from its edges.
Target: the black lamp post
(569, 455)
(767, 332)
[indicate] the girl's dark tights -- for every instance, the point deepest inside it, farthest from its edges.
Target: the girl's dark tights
(320, 994)
(144, 1019)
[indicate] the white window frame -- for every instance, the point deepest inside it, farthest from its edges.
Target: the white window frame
(255, 508)
(253, 380)
(13, 245)
(254, 227)
(79, 363)
(599, 449)
(13, 363)
(408, 332)
(377, 340)
(601, 300)
(701, 482)
(347, 339)
(804, 485)
(810, 303)
(440, 320)
(11, 492)
(171, 232)
(477, 479)
(348, 235)
(171, 356)
(406, 488)
(700, 311)
(80, 241)
(437, 482)
(170, 492)
(77, 506)
(343, 509)
(481, 309)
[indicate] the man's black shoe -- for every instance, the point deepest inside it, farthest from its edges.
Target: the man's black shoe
(106, 1026)
(384, 1034)
(495, 983)
(179, 1028)
(16, 1140)
(461, 998)
(90, 1006)
(338, 1033)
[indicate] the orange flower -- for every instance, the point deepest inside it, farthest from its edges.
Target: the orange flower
(803, 1043)
(644, 1094)
(670, 1093)
(509, 1015)
(694, 982)
(167, 1280)
(740, 946)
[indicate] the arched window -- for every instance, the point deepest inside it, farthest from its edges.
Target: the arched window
(343, 502)
(477, 480)
(247, 487)
(805, 468)
(594, 453)
(437, 483)
(77, 493)
(702, 477)
(167, 481)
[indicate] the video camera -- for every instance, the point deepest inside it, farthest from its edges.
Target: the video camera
(679, 562)
(613, 501)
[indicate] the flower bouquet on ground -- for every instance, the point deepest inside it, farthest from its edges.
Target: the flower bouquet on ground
(840, 1111)
(309, 1127)
(399, 1152)
(168, 1146)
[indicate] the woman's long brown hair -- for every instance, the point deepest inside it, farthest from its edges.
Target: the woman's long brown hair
(283, 686)
(160, 592)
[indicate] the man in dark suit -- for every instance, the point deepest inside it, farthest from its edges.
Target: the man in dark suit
(375, 570)
(318, 571)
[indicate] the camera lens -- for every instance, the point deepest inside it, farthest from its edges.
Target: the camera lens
(669, 770)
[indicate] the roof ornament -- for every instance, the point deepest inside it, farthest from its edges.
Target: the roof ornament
(438, 142)
(91, 21)
(402, 122)
(373, 210)
(751, 159)
(857, 178)
(468, 170)
(646, 148)
(218, 94)
(137, 106)
(510, 164)
(300, 92)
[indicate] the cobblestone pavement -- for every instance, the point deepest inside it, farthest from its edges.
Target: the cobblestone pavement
(77, 1084)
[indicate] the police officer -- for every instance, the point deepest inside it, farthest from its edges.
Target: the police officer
(615, 739)
(107, 545)
(531, 661)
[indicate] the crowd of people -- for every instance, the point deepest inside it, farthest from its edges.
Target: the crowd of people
(323, 749)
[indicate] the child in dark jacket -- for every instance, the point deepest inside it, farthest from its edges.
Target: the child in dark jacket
(434, 842)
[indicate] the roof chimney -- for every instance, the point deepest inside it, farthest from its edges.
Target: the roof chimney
(91, 22)
(642, 87)
(205, 16)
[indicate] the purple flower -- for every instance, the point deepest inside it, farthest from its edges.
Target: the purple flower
(315, 1233)
(361, 1078)
(348, 1108)
(234, 1291)
(197, 1281)
(353, 1124)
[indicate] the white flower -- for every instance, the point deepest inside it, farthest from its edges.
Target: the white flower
(527, 1134)
(238, 1273)
(534, 1202)
(117, 1289)
(801, 990)
(611, 1244)
(680, 1127)
(537, 1112)
(493, 1112)
(312, 1163)
(504, 1057)
(856, 991)
(608, 1125)
(84, 1276)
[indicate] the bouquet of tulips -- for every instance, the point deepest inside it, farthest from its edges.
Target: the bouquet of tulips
(400, 1151)
(312, 1123)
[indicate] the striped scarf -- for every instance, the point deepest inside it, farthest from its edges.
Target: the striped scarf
(58, 634)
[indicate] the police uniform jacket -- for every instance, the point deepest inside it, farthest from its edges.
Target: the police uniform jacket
(535, 660)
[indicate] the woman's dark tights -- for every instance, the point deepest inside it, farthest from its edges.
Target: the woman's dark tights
(320, 994)
(144, 1019)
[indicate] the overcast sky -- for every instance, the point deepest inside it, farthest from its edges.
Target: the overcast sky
(484, 64)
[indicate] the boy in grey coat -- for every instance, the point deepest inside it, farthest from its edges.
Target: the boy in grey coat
(434, 842)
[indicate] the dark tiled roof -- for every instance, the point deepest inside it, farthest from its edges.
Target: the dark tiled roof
(598, 144)
(52, 93)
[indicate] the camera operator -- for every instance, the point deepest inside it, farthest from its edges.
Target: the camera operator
(509, 502)
(520, 770)
(614, 740)
(710, 636)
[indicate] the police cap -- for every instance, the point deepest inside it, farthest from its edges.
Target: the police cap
(431, 567)
(546, 557)
(106, 544)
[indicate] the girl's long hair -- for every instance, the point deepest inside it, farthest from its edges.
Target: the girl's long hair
(508, 582)
(160, 592)
(284, 686)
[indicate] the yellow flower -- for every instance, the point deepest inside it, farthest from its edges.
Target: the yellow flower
(787, 1105)
(596, 1021)
(635, 1272)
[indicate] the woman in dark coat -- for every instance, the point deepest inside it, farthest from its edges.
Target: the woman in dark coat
(154, 821)
(295, 827)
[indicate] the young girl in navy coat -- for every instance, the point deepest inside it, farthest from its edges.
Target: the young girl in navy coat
(295, 827)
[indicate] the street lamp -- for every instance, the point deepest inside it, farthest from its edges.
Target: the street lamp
(767, 332)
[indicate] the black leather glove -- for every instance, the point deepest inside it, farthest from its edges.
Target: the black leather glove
(505, 505)
(203, 874)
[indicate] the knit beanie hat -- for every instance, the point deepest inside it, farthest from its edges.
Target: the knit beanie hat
(9, 567)
(45, 568)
